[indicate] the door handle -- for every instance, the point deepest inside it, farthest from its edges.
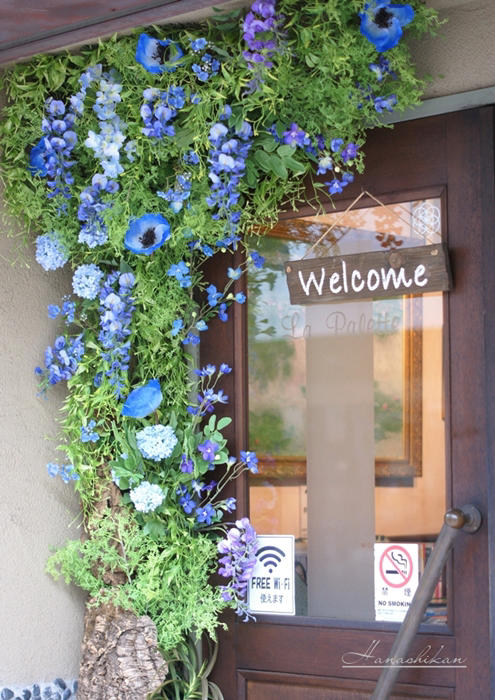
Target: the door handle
(466, 519)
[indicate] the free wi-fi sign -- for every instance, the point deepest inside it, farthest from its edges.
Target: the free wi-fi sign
(271, 588)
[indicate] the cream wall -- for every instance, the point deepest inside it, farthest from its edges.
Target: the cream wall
(40, 620)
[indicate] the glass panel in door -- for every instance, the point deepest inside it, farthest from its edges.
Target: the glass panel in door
(346, 413)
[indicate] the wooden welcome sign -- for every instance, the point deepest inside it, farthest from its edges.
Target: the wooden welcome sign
(366, 275)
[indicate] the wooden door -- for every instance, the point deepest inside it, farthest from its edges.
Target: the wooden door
(449, 158)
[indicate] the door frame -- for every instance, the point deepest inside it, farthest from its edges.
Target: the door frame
(453, 151)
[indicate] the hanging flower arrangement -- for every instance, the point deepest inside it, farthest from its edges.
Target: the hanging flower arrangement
(134, 161)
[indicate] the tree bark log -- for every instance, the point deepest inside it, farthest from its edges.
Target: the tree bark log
(120, 657)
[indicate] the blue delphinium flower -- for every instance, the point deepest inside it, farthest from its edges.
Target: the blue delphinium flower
(147, 233)
(349, 152)
(51, 253)
(37, 158)
(156, 442)
(147, 497)
(229, 149)
(116, 309)
(324, 164)
(186, 500)
(107, 143)
(160, 109)
(94, 231)
(191, 339)
(382, 22)
(224, 368)
(262, 33)
(86, 281)
(158, 56)
(88, 434)
(143, 400)
(191, 158)
(222, 313)
(62, 360)
(381, 69)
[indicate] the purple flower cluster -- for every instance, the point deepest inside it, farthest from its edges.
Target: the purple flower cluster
(261, 28)
(115, 319)
(237, 563)
(227, 157)
(160, 109)
(94, 232)
(62, 360)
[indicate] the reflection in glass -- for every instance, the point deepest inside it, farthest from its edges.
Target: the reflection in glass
(346, 412)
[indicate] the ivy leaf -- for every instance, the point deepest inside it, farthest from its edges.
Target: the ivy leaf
(263, 160)
(223, 423)
(294, 165)
(286, 150)
(278, 167)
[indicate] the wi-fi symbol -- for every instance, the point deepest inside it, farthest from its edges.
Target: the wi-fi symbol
(270, 557)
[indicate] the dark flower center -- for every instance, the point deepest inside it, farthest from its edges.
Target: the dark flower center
(148, 238)
(162, 53)
(382, 18)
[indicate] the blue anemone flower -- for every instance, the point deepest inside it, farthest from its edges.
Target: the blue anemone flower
(147, 233)
(37, 165)
(382, 22)
(158, 56)
(143, 400)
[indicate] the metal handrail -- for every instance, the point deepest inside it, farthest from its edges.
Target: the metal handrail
(467, 519)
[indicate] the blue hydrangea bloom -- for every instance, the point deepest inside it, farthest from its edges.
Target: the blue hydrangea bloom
(143, 400)
(147, 233)
(158, 55)
(156, 442)
(86, 281)
(382, 22)
(147, 497)
(51, 253)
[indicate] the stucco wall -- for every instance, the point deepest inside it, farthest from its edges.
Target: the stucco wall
(40, 620)
(462, 56)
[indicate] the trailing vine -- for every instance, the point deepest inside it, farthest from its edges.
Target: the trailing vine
(133, 161)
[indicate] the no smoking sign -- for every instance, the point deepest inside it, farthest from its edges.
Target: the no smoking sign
(396, 579)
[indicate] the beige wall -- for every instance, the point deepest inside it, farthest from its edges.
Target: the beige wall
(462, 57)
(40, 620)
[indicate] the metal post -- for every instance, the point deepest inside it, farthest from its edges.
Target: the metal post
(468, 519)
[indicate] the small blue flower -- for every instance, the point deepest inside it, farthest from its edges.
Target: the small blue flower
(88, 434)
(198, 44)
(224, 368)
(127, 280)
(205, 514)
(208, 450)
(230, 504)
(258, 260)
(214, 295)
(158, 56)
(240, 298)
(234, 273)
(201, 326)
(191, 339)
(385, 103)
(250, 460)
(147, 233)
(336, 145)
(222, 313)
(349, 152)
(143, 400)
(186, 465)
(53, 310)
(177, 326)
(382, 22)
